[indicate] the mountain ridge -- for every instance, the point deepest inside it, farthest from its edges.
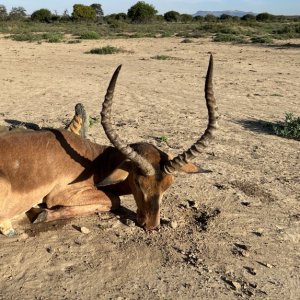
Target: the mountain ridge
(233, 13)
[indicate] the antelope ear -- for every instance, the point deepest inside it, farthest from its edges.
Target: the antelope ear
(118, 175)
(189, 168)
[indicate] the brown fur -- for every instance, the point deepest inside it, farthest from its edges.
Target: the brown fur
(62, 169)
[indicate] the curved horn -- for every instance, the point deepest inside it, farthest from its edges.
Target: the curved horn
(182, 159)
(142, 163)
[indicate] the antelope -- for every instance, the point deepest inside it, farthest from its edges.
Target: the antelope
(73, 176)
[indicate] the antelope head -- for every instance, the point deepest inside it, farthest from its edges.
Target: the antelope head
(147, 170)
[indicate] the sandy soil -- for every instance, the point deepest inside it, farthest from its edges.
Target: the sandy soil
(235, 232)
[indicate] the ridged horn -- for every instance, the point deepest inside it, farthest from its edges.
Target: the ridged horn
(145, 167)
(176, 163)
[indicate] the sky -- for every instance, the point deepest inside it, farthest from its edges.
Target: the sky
(282, 7)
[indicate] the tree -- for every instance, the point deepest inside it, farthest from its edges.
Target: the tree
(41, 15)
(186, 18)
(17, 13)
(225, 17)
(171, 16)
(141, 12)
(83, 12)
(263, 17)
(98, 8)
(3, 12)
(65, 16)
(210, 18)
(198, 18)
(248, 17)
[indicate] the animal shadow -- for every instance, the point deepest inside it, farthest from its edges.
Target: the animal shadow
(17, 124)
(259, 126)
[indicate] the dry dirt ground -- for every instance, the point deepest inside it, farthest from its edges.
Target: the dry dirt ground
(229, 234)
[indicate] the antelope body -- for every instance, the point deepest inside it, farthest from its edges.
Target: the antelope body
(74, 176)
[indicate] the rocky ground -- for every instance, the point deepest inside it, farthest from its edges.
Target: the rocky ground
(229, 234)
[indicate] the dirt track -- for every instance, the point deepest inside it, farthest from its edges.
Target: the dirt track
(238, 227)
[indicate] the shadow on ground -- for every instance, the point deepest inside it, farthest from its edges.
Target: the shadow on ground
(258, 126)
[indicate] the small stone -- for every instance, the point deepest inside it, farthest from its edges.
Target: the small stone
(236, 285)
(174, 224)
(245, 253)
(49, 249)
(129, 223)
(251, 271)
(84, 230)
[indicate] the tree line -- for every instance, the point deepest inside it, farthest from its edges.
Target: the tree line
(141, 12)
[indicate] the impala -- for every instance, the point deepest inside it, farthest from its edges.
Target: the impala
(75, 177)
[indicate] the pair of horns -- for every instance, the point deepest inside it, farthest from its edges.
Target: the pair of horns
(176, 163)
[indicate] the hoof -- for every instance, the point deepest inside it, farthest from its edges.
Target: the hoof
(42, 217)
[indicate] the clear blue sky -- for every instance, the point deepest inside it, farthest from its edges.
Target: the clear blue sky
(287, 7)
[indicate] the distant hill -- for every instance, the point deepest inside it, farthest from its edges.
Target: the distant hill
(234, 13)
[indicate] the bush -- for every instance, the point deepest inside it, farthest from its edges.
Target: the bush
(220, 37)
(90, 35)
(265, 17)
(141, 12)
(26, 37)
(53, 37)
(248, 17)
(83, 12)
(106, 50)
(98, 8)
(17, 13)
(262, 40)
(185, 18)
(290, 128)
(41, 15)
(171, 16)
(3, 12)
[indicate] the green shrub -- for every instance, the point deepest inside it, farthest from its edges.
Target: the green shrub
(290, 128)
(41, 15)
(90, 35)
(172, 16)
(106, 50)
(53, 37)
(261, 40)
(83, 12)
(220, 37)
(141, 12)
(265, 17)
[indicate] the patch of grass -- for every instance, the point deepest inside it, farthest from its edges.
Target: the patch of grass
(93, 121)
(262, 40)
(25, 37)
(50, 37)
(53, 37)
(289, 128)
(162, 57)
(90, 35)
(222, 37)
(163, 139)
(106, 50)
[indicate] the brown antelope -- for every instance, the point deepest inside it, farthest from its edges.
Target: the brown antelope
(76, 177)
